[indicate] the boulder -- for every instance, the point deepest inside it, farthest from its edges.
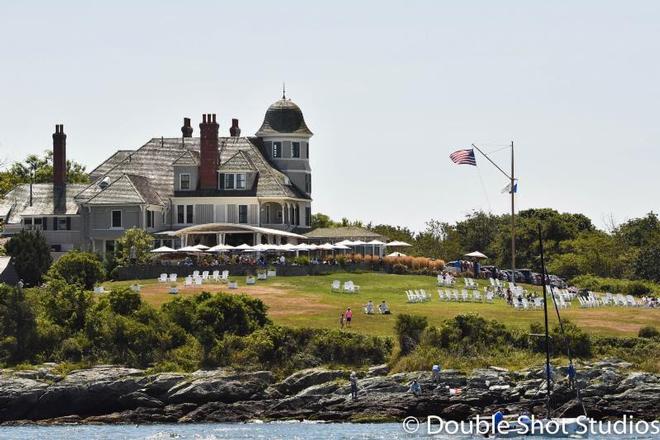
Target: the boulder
(300, 380)
(221, 387)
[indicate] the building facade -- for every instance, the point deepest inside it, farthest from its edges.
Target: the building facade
(185, 190)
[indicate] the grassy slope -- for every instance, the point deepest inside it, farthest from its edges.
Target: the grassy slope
(307, 302)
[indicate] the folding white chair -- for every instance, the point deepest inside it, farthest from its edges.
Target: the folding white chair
(162, 278)
(188, 281)
(336, 286)
(195, 273)
(205, 275)
(172, 278)
(215, 275)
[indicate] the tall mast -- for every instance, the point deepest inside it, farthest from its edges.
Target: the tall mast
(513, 220)
(545, 317)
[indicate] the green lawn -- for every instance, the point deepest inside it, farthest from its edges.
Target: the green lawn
(308, 302)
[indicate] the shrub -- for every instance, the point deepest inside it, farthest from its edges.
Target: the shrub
(30, 254)
(399, 269)
(124, 301)
(80, 268)
(636, 288)
(615, 285)
(648, 332)
(301, 260)
(409, 330)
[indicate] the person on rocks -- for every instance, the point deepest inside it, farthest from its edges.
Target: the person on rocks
(354, 386)
(571, 375)
(415, 388)
(349, 317)
(435, 370)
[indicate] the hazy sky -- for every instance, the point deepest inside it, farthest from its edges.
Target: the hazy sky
(390, 89)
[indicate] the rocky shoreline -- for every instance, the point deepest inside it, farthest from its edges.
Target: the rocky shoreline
(115, 394)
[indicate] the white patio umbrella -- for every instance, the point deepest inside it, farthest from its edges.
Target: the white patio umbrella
(162, 250)
(242, 247)
(188, 249)
(221, 248)
(345, 243)
(397, 243)
(326, 247)
(396, 254)
(301, 247)
(475, 254)
(358, 243)
(201, 247)
(342, 247)
(373, 244)
(287, 247)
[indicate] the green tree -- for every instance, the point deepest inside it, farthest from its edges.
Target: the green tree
(124, 301)
(42, 169)
(18, 326)
(409, 329)
(320, 220)
(30, 254)
(133, 247)
(640, 232)
(83, 269)
(647, 262)
(66, 305)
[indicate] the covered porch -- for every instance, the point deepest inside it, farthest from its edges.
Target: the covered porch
(211, 234)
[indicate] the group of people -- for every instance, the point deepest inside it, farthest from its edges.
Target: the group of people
(383, 308)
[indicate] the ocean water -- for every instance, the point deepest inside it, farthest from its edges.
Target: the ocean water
(232, 431)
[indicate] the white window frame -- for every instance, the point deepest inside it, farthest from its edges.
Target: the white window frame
(185, 214)
(181, 181)
(121, 219)
(278, 149)
(240, 177)
(299, 146)
(151, 219)
(247, 215)
(233, 181)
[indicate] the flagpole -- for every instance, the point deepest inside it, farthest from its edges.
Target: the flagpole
(513, 220)
(512, 189)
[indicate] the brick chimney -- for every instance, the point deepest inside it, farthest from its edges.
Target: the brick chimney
(208, 150)
(59, 169)
(187, 129)
(235, 130)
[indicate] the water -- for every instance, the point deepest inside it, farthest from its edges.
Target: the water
(230, 431)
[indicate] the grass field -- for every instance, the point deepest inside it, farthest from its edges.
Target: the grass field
(307, 302)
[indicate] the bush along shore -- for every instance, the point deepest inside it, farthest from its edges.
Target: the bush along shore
(115, 394)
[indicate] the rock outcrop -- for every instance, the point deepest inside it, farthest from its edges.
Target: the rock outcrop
(112, 394)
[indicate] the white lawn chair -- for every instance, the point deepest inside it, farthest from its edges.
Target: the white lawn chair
(136, 288)
(525, 304)
(477, 296)
(225, 276)
(630, 301)
(350, 287)
(464, 295)
(173, 278)
(454, 295)
(205, 275)
(215, 276)
(162, 278)
(262, 276)
(441, 280)
(232, 285)
(198, 281)
(336, 286)
(250, 280)
(99, 289)
(188, 281)
(538, 304)
(441, 294)
(489, 297)
(271, 273)
(195, 273)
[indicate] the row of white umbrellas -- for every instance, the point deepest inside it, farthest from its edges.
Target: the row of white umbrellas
(342, 245)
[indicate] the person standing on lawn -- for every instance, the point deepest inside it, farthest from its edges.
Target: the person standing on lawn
(349, 316)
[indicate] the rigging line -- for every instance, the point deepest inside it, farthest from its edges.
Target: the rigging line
(506, 147)
(483, 186)
(568, 347)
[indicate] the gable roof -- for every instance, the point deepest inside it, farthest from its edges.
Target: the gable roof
(342, 232)
(16, 202)
(238, 162)
(126, 190)
(109, 163)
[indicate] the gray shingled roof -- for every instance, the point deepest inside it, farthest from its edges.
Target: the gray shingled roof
(283, 116)
(238, 162)
(126, 190)
(154, 162)
(109, 163)
(17, 201)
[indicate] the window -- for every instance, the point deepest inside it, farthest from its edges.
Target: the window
(242, 213)
(150, 218)
(27, 223)
(277, 149)
(109, 247)
(115, 220)
(307, 150)
(240, 181)
(229, 181)
(308, 216)
(61, 223)
(308, 183)
(295, 149)
(184, 214)
(184, 181)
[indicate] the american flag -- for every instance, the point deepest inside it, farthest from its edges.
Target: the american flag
(463, 157)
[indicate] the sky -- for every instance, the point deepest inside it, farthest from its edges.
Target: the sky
(389, 89)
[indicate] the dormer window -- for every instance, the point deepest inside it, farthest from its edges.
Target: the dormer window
(295, 149)
(235, 180)
(277, 149)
